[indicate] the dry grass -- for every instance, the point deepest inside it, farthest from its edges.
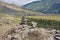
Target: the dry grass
(47, 17)
(6, 27)
(10, 17)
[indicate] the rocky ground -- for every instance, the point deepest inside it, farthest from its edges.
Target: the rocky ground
(28, 33)
(24, 32)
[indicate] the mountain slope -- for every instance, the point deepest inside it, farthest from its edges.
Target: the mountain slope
(4, 7)
(55, 8)
(42, 6)
(12, 9)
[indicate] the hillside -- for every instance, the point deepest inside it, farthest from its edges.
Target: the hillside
(11, 30)
(47, 21)
(55, 8)
(7, 22)
(44, 6)
(15, 10)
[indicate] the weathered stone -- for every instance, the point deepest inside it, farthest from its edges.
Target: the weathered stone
(9, 37)
(34, 24)
(24, 20)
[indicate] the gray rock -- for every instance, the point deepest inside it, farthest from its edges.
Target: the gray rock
(34, 24)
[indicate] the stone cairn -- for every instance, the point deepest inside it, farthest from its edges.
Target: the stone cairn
(23, 21)
(22, 31)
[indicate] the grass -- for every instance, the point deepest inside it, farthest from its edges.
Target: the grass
(17, 9)
(47, 17)
(17, 20)
(5, 27)
(47, 21)
(10, 17)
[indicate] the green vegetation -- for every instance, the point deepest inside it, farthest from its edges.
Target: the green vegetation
(45, 23)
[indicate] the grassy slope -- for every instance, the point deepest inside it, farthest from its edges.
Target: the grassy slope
(5, 27)
(47, 17)
(47, 21)
(16, 20)
(18, 9)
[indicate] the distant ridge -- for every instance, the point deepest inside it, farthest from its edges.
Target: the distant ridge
(31, 3)
(55, 8)
(44, 6)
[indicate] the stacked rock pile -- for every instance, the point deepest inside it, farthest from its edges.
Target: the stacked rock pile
(25, 32)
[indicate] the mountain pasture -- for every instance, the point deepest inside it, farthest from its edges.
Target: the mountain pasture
(47, 21)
